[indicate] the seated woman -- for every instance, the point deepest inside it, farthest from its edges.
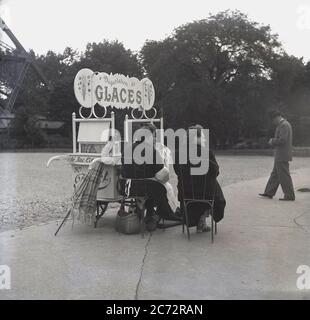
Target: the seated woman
(203, 186)
(157, 175)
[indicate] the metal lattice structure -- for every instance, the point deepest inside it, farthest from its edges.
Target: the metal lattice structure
(14, 64)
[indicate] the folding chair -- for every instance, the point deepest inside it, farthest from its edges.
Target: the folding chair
(195, 196)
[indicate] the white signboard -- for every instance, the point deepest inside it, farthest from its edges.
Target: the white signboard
(114, 90)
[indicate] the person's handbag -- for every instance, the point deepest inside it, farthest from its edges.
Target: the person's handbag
(127, 221)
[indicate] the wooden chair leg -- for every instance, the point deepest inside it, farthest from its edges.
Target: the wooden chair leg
(103, 207)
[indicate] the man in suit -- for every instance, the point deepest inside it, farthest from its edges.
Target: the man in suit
(280, 175)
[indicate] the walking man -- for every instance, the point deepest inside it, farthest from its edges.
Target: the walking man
(282, 142)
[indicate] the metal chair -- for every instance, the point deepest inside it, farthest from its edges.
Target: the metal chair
(196, 195)
(139, 192)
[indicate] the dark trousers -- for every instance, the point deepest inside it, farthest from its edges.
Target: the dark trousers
(157, 197)
(280, 175)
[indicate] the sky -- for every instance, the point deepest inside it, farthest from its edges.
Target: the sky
(44, 25)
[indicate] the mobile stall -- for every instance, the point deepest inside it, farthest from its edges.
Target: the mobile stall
(101, 96)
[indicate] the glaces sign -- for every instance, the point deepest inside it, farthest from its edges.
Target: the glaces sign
(115, 90)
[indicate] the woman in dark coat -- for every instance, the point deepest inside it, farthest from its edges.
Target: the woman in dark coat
(203, 186)
(153, 188)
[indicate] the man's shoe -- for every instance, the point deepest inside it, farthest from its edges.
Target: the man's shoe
(265, 195)
(287, 199)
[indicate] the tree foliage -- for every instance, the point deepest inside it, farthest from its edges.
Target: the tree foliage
(212, 71)
(223, 72)
(57, 101)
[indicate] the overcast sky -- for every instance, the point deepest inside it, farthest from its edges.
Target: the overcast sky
(43, 25)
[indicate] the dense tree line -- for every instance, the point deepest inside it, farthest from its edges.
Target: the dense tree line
(223, 72)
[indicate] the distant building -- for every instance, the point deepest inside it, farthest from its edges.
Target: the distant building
(48, 126)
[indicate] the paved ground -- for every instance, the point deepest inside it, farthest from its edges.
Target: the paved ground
(256, 253)
(32, 194)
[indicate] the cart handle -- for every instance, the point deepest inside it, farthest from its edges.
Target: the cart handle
(61, 157)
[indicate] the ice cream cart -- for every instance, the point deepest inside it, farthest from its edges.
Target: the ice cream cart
(100, 95)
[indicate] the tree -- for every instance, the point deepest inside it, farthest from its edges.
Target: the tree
(290, 83)
(59, 102)
(110, 57)
(208, 71)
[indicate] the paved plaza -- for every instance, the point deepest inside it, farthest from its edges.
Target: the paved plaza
(259, 245)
